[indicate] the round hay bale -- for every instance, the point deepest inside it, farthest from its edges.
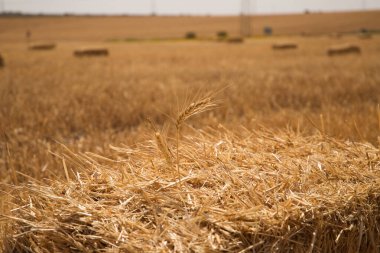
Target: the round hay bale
(91, 52)
(343, 49)
(284, 45)
(235, 40)
(190, 35)
(45, 46)
(222, 35)
(2, 64)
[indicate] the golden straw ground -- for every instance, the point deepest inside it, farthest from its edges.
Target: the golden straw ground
(255, 190)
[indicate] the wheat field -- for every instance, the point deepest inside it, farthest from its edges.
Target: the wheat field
(97, 153)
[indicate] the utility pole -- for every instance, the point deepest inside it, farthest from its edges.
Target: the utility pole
(153, 7)
(245, 19)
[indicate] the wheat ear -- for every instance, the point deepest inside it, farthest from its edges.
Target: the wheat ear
(194, 108)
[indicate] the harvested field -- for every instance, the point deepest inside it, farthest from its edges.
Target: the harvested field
(126, 153)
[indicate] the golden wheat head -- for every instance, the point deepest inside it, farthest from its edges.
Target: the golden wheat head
(194, 108)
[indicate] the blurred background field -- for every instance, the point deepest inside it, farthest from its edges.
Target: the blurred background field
(89, 103)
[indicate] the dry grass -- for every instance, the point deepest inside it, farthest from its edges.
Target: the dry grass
(303, 177)
(258, 190)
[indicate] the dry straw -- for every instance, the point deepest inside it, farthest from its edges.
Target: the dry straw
(249, 191)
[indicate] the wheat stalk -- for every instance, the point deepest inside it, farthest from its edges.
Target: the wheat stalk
(161, 143)
(378, 114)
(163, 147)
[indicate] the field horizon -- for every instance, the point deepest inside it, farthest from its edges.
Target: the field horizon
(87, 28)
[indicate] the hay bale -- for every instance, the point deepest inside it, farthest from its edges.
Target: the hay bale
(2, 64)
(343, 50)
(235, 40)
(259, 191)
(46, 46)
(222, 35)
(190, 35)
(91, 52)
(284, 45)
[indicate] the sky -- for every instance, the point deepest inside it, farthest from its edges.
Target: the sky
(175, 7)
